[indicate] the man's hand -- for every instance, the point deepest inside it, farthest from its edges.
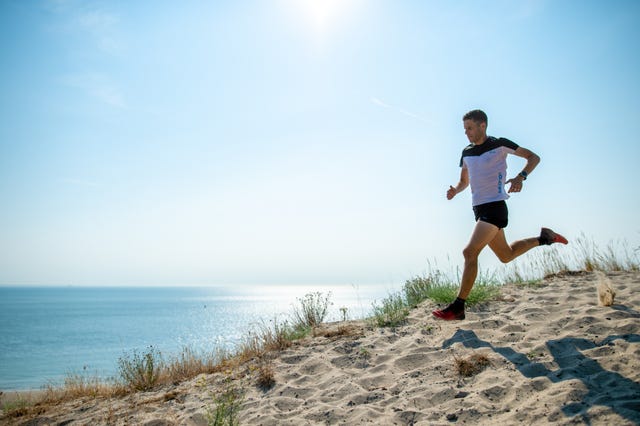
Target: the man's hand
(516, 184)
(451, 192)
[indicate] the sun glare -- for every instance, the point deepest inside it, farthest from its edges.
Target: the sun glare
(321, 12)
(322, 16)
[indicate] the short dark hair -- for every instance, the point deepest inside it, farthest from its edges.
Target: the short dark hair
(476, 115)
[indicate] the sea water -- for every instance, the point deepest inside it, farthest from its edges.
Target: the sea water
(49, 333)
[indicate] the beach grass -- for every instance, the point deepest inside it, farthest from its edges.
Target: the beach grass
(434, 286)
(312, 309)
(392, 312)
(266, 374)
(190, 363)
(227, 404)
(141, 371)
(18, 407)
(148, 370)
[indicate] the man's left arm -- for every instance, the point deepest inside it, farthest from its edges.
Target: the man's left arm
(532, 161)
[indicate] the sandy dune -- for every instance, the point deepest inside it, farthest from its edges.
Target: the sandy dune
(555, 356)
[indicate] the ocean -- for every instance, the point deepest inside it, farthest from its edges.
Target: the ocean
(49, 333)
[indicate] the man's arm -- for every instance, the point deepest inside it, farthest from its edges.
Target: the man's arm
(532, 161)
(461, 186)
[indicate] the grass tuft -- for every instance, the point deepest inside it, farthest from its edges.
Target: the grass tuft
(312, 309)
(435, 286)
(471, 365)
(227, 406)
(189, 364)
(392, 313)
(140, 372)
(17, 408)
(266, 375)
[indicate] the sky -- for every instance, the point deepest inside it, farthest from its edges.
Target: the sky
(301, 141)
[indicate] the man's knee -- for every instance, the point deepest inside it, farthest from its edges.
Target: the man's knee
(470, 253)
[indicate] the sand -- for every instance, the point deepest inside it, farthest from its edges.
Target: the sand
(554, 356)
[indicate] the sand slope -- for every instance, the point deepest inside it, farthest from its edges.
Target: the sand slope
(555, 357)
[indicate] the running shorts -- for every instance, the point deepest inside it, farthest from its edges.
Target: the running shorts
(495, 213)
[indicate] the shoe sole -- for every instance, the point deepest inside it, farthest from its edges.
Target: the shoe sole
(441, 315)
(557, 238)
(560, 239)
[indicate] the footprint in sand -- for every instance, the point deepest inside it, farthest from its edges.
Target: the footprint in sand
(347, 347)
(297, 393)
(513, 328)
(295, 359)
(495, 393)
(287, 404)
(314, 368)
(349, 361)
(412, 362)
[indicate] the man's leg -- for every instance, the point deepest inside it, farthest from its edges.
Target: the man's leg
(483, 234)
(507, 252)
(487, 234)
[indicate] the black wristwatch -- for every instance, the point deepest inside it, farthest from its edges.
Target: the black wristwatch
(524, 175)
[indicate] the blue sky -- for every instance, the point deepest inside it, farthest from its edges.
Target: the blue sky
(300, 142)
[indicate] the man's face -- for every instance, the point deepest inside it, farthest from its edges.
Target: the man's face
(476, 132)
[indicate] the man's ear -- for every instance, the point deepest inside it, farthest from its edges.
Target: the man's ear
(483, 126)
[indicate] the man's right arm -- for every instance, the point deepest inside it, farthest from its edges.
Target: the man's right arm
(461, 186)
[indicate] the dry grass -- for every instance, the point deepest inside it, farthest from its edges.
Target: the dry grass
(581, 255)
(266, 375)
(79, 386)
(471, 365)
(190, 364)
(339, 330)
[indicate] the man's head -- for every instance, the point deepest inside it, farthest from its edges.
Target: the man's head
(475, 126)
(476, 115)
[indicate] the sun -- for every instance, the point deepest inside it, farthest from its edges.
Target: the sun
(322, 17)
(323, 12)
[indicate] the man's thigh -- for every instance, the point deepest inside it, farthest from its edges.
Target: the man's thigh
(482, 234)
(500, 246)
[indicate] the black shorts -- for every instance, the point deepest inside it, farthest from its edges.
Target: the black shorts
(495, 213)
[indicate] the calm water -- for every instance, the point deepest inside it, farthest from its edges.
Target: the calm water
(48, 333)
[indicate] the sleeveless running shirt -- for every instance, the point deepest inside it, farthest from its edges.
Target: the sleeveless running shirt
(487, 166)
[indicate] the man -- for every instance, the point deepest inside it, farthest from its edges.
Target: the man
(484, 167)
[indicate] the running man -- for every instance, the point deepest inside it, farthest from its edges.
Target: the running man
(484, 167)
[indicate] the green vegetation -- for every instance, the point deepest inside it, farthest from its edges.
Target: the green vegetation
(434, 286)
(227, 406)
(392, 313)
(312, 309)
(141, 371)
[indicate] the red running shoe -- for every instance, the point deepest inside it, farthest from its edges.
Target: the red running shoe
(548, 237)
(448, 314)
